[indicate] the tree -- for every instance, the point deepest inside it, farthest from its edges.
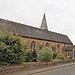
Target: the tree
(54, 55)
(12, 51)
(45, 55)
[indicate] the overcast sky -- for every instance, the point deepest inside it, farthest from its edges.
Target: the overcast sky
(60, 14)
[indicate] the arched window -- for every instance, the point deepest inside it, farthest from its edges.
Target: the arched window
(33, 45)
(54, 48)
(63, 50)
(65, 54)
(40, 46)
(58, 46)
(47, 44)
(68, 53)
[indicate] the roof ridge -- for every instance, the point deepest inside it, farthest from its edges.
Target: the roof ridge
(20, 23)
(30, 31)
(33, 27)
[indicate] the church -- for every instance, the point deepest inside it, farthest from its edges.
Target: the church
(37, 38)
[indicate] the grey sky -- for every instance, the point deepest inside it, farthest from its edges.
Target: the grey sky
(60, 14)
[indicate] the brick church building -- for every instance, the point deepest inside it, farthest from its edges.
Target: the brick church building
(37, 38)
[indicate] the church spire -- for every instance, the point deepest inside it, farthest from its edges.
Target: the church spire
(44, 23)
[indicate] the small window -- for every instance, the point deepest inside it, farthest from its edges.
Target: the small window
(58, 46)
(62, 50)
(40, 46)
(53, 48)
(33, 45)
(68, 53)
(47, 44)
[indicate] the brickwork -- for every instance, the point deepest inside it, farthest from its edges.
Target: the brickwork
(70, 52)
(42, 43)
(40, 33)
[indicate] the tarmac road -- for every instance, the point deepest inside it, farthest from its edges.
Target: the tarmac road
(64, 69)
(70, 70)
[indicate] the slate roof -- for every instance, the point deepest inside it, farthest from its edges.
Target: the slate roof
(33, 32)
(69, 48)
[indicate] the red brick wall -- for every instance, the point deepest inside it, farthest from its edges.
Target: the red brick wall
(43, 43)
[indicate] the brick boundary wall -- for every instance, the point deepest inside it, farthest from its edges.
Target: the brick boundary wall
(13, 68)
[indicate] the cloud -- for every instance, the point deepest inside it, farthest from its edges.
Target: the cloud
(60, 14)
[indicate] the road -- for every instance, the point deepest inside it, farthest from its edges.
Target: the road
(70, 70)
(64, 69)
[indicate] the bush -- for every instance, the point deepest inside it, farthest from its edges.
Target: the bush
(66, 58)
(60, 56)
(31, 56)
(12, 51)
(45, 55)
(27, 55)
(57, 59)
(73, 58)
(54, 55)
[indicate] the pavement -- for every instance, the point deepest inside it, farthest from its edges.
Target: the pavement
(39, 70)
(69, 70)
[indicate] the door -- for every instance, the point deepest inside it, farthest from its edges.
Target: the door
(74, 53)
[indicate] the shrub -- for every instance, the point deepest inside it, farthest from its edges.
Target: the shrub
(54, 55)
(33, 56)
(57, 59)
(27, 55)
(66, 58)
(45, 55)
(73, 58)
(12, 51)
(30, 56)
(60, 56)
